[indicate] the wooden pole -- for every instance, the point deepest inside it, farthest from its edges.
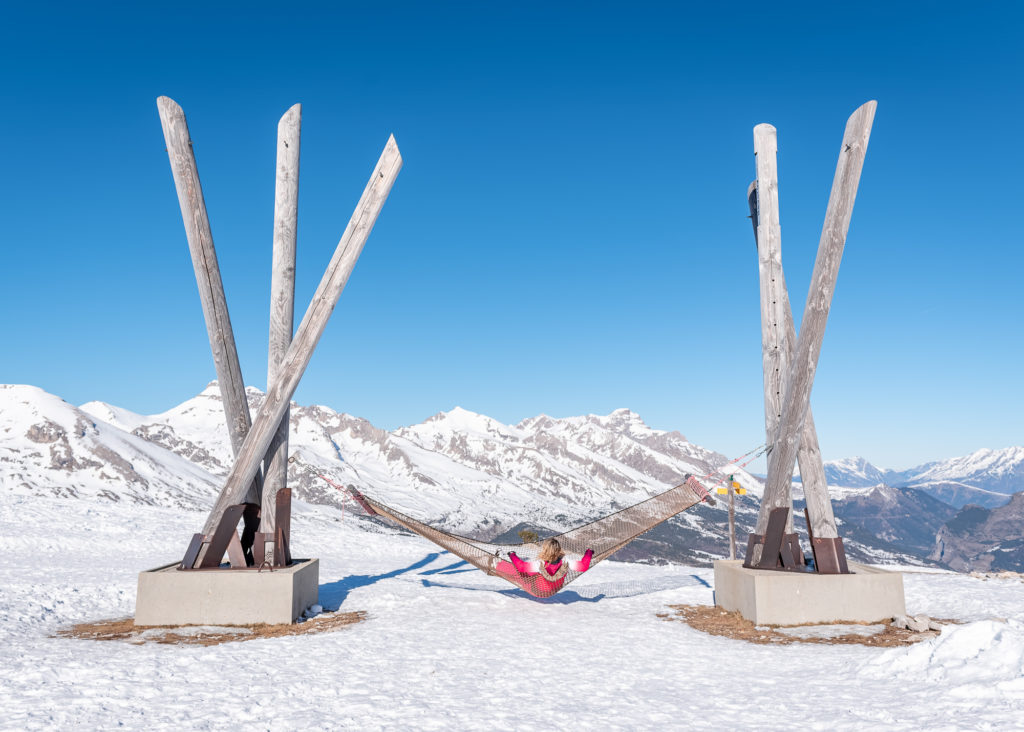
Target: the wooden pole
(774, 354)
(797, 392)
(732, 520)
(815, 484)
(282, 310)
(781, 334)
(295, 360)
(211, 289)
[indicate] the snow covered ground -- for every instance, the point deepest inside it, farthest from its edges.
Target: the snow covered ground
(446, 647)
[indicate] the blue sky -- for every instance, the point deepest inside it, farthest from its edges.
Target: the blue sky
(568, 234)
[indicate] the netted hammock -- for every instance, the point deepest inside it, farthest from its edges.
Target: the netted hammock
(604, 536)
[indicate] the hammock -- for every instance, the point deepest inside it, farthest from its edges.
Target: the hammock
(605, 536)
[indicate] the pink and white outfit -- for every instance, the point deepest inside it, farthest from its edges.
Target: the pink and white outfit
(538, 580)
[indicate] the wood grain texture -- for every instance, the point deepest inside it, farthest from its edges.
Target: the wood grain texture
(295, 360)
(815, 484)
(211, 288)
(800, 379)
(282, 305)
(778, 332)
(774, 354)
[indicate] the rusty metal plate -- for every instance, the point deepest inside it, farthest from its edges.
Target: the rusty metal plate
(222, 536)
(773, 538)
(192, 553)
(753, 540)
(236, 555)
(283, 509)
(829, 556)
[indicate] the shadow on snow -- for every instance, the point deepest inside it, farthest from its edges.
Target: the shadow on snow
(333, 594)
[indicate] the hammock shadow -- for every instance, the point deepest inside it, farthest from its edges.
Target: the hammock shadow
(588, 592)
(452, 568)
(565, 597)
(333, 594)
(644, 586)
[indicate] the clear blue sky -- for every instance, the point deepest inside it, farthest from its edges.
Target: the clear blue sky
(568, 234)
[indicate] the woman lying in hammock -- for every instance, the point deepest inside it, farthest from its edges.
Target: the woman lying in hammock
(546, 575)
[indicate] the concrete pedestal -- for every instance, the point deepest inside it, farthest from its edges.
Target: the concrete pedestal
(169, 596)
(790, 598)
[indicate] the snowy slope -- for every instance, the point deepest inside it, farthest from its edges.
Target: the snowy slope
(1001, 471)
(49, 447)
(85, 505)
(444, 648)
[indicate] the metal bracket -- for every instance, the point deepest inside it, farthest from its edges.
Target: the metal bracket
(829, 554)
(283, 516)
(207, 552)
(779, 550)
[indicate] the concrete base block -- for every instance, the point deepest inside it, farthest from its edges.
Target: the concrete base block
(169, 596)
(765, 597)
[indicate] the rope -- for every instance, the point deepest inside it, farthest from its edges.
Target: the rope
(346, 493)
(602, 536)
(760, 450)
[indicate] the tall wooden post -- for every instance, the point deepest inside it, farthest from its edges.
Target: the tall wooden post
(798, 383)
(774, 354)
(211, 289)
(732, 519)
(779, 334)
(295, 360)
(282, 311)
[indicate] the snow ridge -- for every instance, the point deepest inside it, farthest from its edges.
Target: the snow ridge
(467, 471)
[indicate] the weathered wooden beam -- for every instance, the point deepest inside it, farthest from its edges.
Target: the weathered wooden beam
(732, 519)
(800, 380)
(781, 334)
(211, 289)
(774, 354)
(312, 326)
(815, 484)
(282, 309)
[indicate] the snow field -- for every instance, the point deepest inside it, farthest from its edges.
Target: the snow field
(446, 647)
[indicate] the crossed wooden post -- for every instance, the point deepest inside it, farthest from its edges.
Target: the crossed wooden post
(790, 362)
(263, 442)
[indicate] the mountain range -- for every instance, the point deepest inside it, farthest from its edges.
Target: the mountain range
(985, 477)
(464, 471)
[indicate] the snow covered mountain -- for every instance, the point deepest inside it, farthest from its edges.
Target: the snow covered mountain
(465, 471)
(462, 470)
(985, 477)
(853, 472)
(48, 447)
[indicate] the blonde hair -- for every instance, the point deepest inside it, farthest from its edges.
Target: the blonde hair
(551, 551)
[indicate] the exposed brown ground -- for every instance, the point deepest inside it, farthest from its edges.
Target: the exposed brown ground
(124, 629)
(716, 621)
